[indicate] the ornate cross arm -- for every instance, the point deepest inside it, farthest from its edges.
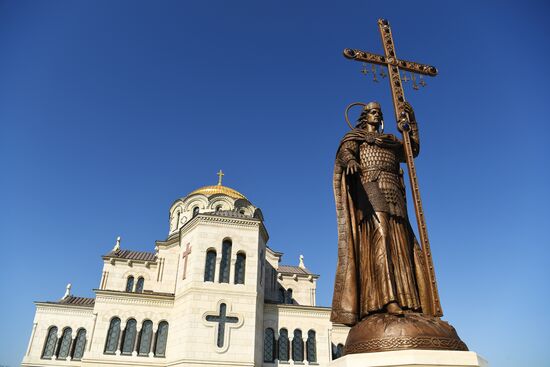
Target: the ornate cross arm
(414, 67)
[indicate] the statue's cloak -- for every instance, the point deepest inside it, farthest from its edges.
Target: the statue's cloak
(348, 194)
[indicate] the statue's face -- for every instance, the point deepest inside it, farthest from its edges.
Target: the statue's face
(374, 116)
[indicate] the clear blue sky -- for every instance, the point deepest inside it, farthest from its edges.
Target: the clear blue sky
(109, 111)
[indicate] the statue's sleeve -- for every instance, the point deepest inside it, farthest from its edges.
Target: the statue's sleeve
(347, 152)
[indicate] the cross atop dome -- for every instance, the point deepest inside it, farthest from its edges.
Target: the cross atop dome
(220, 177)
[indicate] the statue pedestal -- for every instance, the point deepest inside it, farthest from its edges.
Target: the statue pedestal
(412, 358)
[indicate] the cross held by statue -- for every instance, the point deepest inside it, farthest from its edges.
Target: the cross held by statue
(395, 66)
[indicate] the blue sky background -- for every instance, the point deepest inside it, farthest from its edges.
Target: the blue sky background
(109, 111)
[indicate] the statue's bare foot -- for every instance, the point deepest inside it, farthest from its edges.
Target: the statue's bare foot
(394, 309)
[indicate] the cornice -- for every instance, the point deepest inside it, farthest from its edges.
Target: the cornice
(297, 310)
(63, 309)
(108, 296)
(224, 221)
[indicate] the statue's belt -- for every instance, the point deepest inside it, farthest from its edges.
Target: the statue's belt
(389, 169)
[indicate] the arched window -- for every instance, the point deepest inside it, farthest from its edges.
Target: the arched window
(111, 344)
(311, 348)
(269, 345)
(162, 337)
(284, 345)
(145, 338)
(224, 264)
(337, 351)
(139, 285)
(129, 338)
(297, 346)
(65, 346)
(79, 345)
(281, 295)
(210, 266)
(130, 284)
(240, 267)
(288, 296)
(50, 343)
(195, 211)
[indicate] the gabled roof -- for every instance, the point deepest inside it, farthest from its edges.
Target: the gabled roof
(132, 255)
(290, 269)
(74, 301)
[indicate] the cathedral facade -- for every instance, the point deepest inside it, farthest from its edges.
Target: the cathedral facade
(212, 294)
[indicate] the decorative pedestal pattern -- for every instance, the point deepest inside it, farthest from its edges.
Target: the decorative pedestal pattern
(412, 358)
(385, 332)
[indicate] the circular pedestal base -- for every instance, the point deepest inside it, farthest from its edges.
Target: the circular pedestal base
(385, 332)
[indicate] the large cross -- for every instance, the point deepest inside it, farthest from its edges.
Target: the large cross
(222, 319)
(394, 66)
(185, 255)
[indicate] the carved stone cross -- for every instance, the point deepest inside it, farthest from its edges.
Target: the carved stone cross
(222, 319)
(185, 255)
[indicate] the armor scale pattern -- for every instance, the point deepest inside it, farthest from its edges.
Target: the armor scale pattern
(381, 166)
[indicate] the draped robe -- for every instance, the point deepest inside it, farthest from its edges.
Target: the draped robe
(379, 259)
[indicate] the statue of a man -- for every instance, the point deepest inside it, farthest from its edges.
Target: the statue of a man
(380, 265)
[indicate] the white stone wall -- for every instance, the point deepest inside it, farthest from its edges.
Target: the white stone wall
(116, 272)
(195, 298)
(303, 287)
(61, 316)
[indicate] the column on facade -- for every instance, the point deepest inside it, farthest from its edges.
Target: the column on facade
(136, 341)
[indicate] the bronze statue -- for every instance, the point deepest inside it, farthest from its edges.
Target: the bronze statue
(385, 284)
(380, 266)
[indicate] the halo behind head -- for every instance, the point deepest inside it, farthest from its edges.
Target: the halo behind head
(350, 106)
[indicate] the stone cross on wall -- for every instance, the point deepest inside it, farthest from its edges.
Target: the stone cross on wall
(222, 319)
(185, 255)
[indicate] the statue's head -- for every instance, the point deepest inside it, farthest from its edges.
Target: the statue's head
(372, 116)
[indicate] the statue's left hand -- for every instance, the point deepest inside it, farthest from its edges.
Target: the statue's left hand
(410, 111)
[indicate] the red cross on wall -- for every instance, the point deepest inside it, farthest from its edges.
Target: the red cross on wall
(185, 255)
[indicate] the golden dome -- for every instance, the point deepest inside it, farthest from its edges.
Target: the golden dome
(218, 189)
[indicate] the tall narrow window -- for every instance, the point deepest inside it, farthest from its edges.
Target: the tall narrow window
(288, 297)
(284, 345)
(79, 345)
(129, 337)
(139, 285)
(224, 264)
(210, 266)
(65, 346)
(162, 337)
(195, 211)
(297, 346)
(240, 268)
(311, 347)
(50, 343)
(281, 295)
(269, 345)
(111, 344)
(145, 338)
(130, 284)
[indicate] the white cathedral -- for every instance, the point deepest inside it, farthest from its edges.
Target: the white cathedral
(212, 294)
